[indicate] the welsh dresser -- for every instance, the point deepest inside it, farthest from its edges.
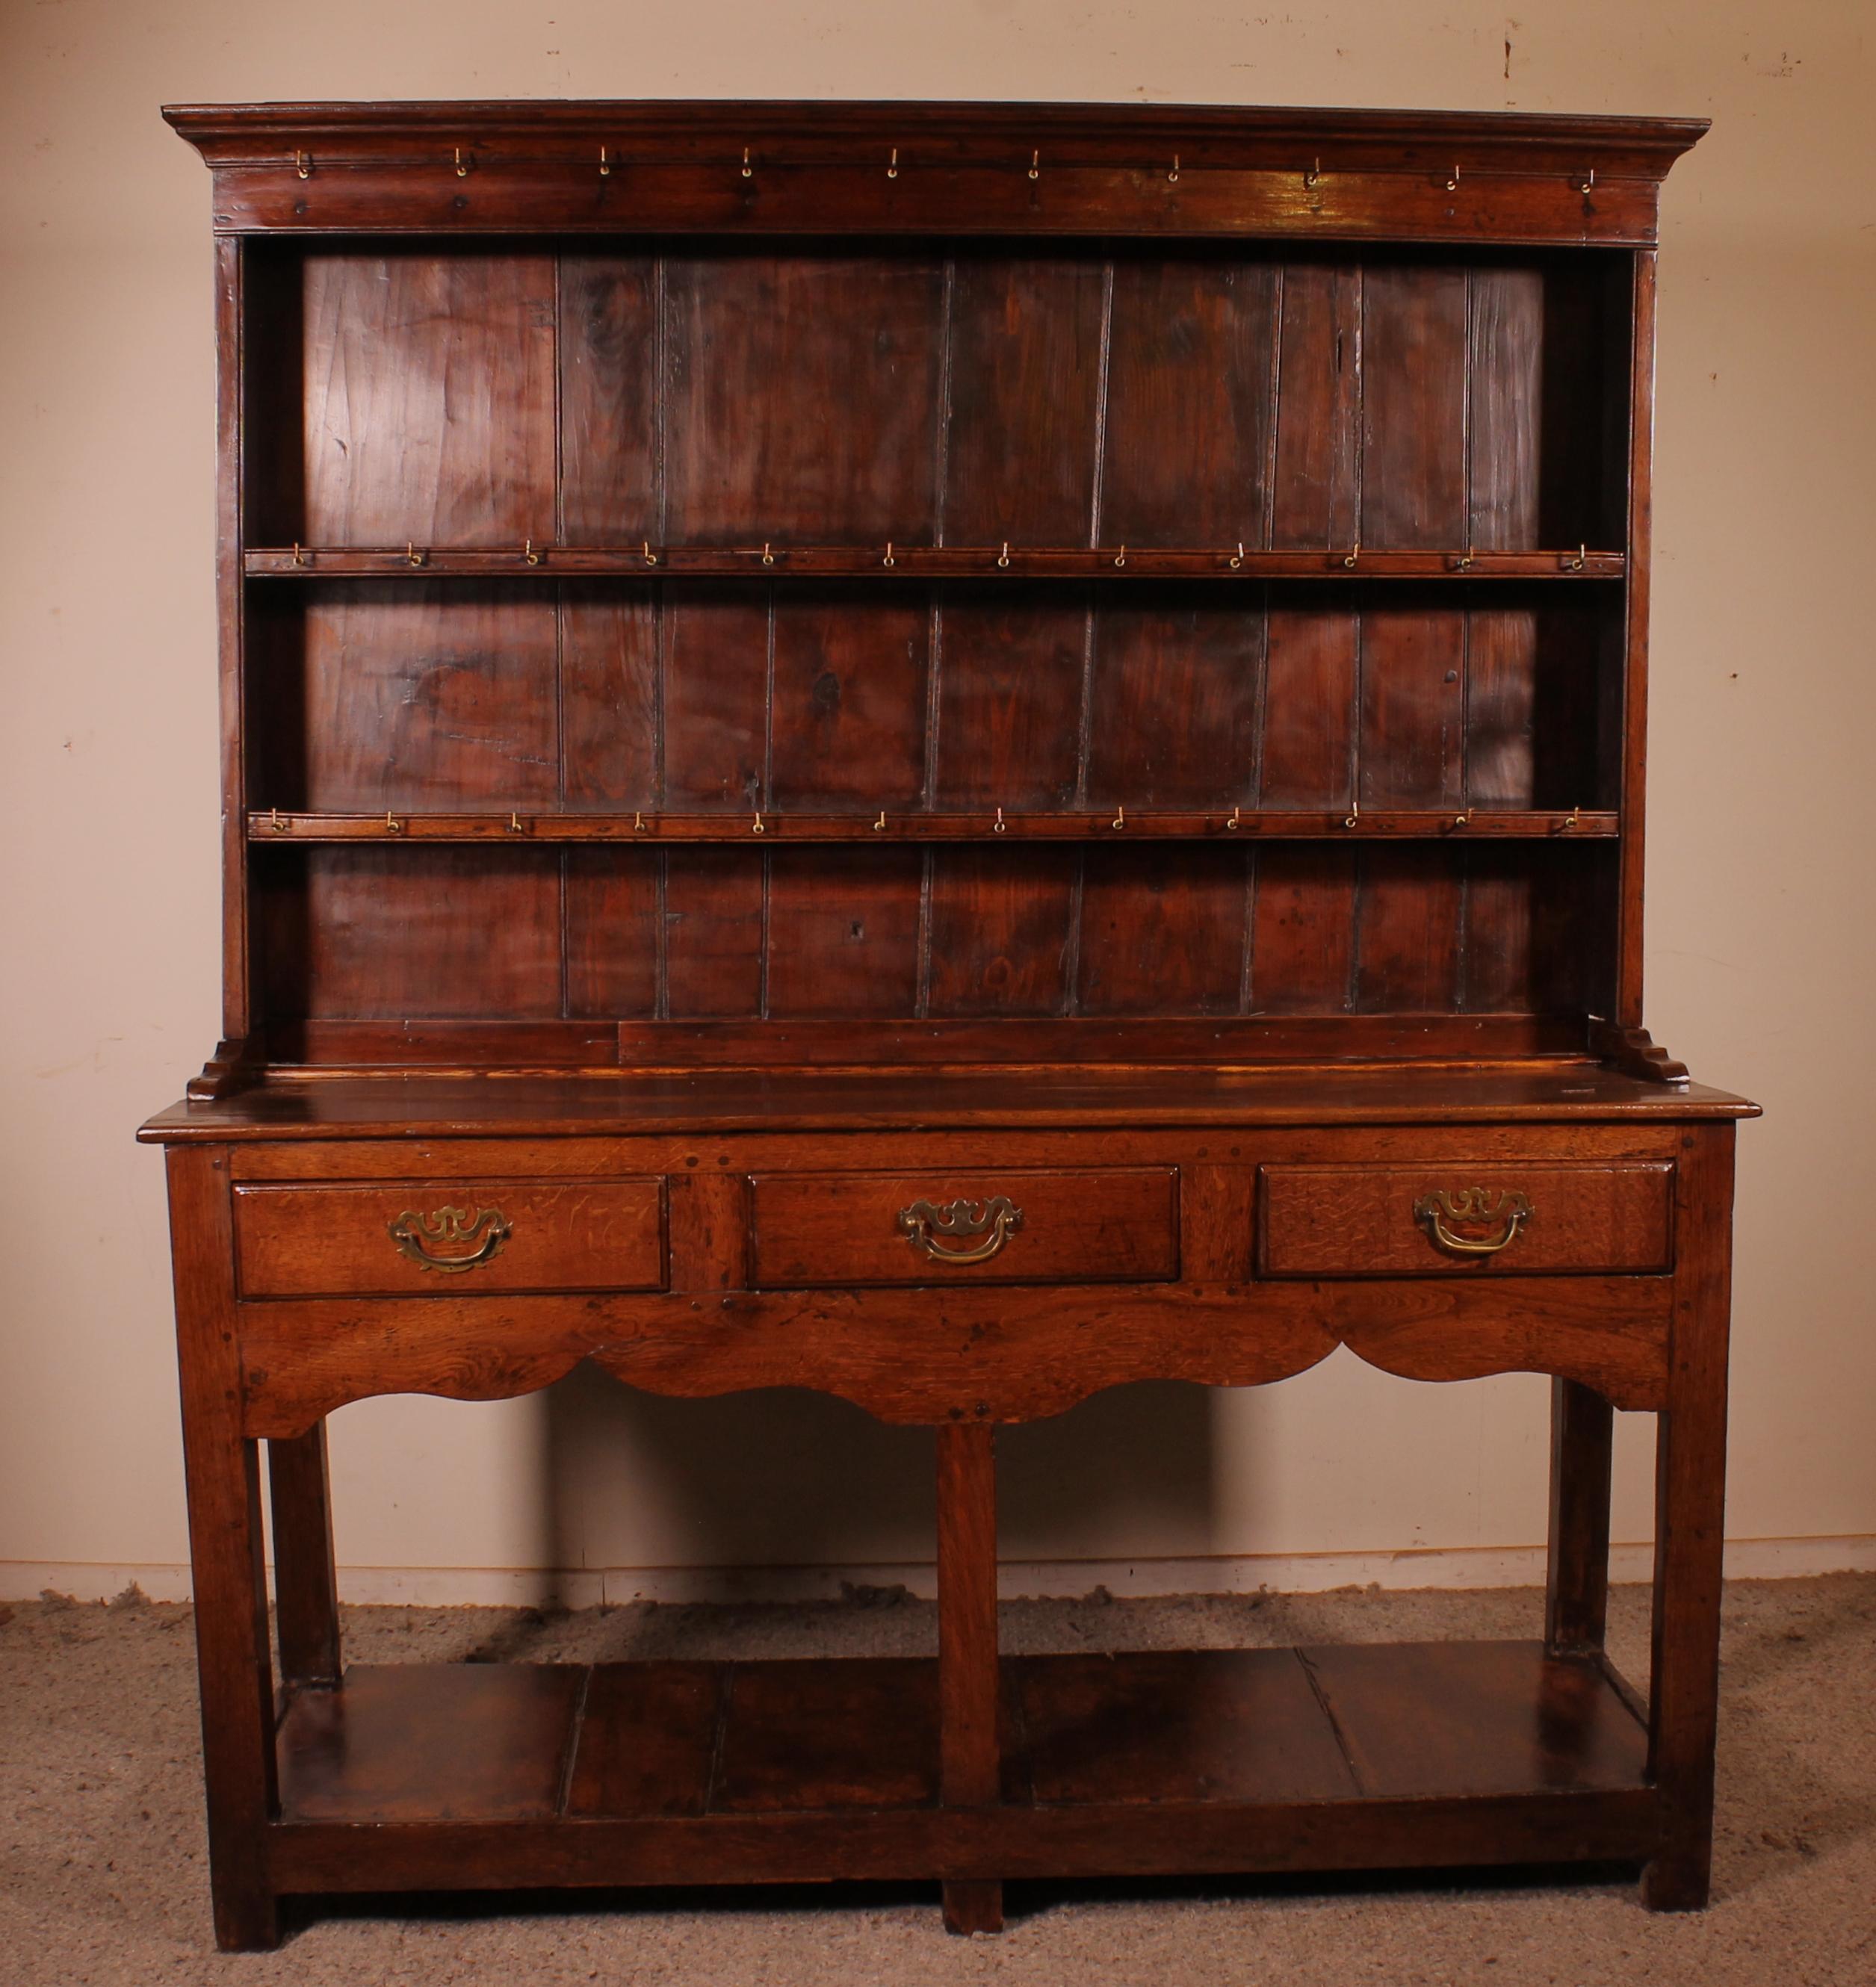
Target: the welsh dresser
(951, 754)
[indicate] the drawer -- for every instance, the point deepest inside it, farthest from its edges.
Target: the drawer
(1092, 1226)
(449, 1238)
(1448, 1218)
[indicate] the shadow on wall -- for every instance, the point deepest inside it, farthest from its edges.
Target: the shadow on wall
(788, 1478)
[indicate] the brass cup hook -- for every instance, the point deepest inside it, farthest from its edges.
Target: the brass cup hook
(1452, 184)
(637, 823)
(757, 827)
(1003, 557)
(1000, 826)
(892, 164)
(606, 165)
(1172, 177)
(1353, 818)
(1234, 817)
(529, 555)
(888, 560)
(1354, 553)
(462, 164)
(275, 823)
(391, 824)
(1587, 185)
(651, 557)
(1120, 557)
(303, 164)
(1314, 174)
(879, 825)
(1237, 558)
(411, 553)
(1035, 165)
(1120, 817)
(768, 558)
(749, 171)
(516, 825)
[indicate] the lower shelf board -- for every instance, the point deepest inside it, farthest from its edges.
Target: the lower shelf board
(1199, 1761)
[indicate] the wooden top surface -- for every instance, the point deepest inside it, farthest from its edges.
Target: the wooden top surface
(731, 1100)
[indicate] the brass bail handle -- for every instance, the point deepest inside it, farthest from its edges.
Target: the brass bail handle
(1511, 1210)
(995, 1219)
(416, 1233)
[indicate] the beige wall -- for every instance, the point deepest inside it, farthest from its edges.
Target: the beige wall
(1762, 814)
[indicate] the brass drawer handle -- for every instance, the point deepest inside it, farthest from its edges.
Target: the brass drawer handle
(996, 1220)
(1476, 1203)
(413, 1233)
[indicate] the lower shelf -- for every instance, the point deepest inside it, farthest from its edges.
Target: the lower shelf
(1353, 1756)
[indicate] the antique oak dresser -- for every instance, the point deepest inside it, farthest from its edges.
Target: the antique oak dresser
(955, 754)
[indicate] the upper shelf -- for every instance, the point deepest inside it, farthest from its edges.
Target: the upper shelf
(912, 168)
(649, 560)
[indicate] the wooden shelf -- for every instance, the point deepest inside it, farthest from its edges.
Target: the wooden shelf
(1217, 1760)
(648, 562)
(1102, 824)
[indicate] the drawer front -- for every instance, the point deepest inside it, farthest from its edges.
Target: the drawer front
(816, 1230)
(1449, 1218)
(449, 1238)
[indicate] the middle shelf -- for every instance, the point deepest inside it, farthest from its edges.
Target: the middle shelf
(1103, 824)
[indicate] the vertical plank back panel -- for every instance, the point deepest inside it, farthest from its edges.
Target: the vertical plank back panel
(1023, 399)
(365, 932)
(843, 932)
(1189, 401)
(1162, 929)
(850, 692)
(714, 905)
(1176, 684)
(759, 349)
(430, 398)
(1000, 920)
(426, 694)
(612, 938)
(611, 348)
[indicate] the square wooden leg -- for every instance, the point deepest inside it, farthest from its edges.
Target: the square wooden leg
(1690, 1471)
(224, 1477)
(1576, 1585)
(969, 1766)
(305, 1583)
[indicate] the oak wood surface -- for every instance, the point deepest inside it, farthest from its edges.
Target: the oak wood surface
(781, 661)
(314, 1241)
(1089, 1226)
(1364, 1221)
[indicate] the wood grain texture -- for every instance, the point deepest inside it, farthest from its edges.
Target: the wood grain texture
(970, 1769)
(1192, 348)
(305, 1578)
(931, 1356)
(1577, 1568)
(650, 579)
(1207, 1724)
(1022, 386)
(430, 398)
(221, 1471)
(860, 333)
(1476, 1718)
(335, 1241)
(476, 1741)
(813, 1230)
(1354, 1220)
(1690, 1480)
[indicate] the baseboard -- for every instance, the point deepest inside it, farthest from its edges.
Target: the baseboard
(1285, 1573)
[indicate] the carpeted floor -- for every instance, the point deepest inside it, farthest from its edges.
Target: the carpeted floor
(104, 1877)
